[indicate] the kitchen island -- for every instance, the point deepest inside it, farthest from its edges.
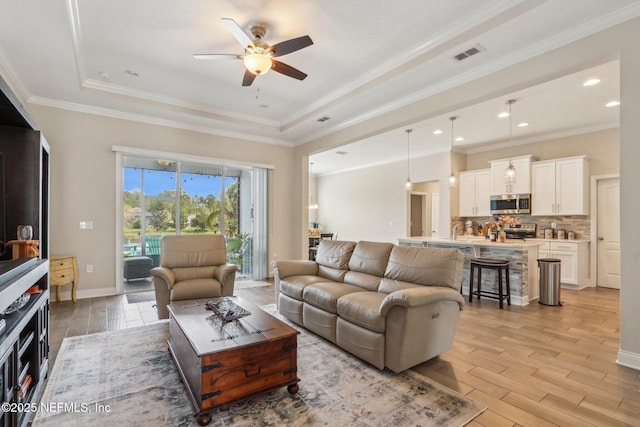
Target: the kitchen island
(521, 254)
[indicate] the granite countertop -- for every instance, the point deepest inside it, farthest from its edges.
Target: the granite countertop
(481, 241)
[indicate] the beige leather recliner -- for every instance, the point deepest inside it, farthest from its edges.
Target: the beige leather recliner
(192, 267)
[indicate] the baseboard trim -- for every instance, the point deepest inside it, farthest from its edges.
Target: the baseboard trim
(628, 359)
(82, 293)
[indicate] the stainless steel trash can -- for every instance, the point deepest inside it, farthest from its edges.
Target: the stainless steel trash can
(549, 281)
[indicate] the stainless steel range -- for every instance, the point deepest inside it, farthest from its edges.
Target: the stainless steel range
(521, 231)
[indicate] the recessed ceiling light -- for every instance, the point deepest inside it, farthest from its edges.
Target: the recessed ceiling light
(437, 132)
(612, 104)
(591, 82)
(459, 138)
(523, 124)
(503, 115)
(132, 73)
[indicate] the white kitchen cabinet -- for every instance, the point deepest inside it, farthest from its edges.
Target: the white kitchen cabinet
(523, 175)
(560, 186)
(475, 192)
(574, 257)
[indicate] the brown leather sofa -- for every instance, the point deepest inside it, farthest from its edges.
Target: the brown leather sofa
(392, 306)
(192, 267)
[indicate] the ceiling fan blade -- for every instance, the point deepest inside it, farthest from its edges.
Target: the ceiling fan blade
(288, 46)
(248, 78)
(287, 70)
(215, 56)
(238, 32)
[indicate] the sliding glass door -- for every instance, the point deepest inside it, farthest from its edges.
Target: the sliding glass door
(162, 197)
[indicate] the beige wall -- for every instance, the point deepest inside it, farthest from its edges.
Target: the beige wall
(83, 181)
(370, 203)
(603, 148)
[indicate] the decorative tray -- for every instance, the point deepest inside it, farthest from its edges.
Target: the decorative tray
(226, 310)
(17, 304)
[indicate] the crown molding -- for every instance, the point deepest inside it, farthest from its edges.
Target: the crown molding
(141, 118)
(217, 113)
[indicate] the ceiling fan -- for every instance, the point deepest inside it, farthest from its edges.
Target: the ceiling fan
(258, 55)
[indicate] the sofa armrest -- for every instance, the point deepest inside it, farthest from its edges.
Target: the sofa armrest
(423, 295)
(165, 274)
(282, 269)
(226, 275)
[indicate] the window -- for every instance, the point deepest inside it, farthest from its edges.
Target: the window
(162, 197)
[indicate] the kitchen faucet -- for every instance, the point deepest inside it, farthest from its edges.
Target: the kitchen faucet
(453, 232)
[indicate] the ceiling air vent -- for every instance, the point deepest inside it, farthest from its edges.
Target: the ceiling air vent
(469, 52)
(323, 119)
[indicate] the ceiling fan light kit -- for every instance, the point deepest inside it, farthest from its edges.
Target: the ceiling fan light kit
(257, 63)
(258, 55)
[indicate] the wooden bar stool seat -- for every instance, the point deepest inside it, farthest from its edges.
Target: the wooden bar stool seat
(498, 265)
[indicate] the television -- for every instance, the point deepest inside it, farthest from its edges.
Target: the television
(3, 226)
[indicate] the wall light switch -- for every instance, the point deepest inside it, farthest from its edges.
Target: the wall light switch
(89, 268)
(86, 225)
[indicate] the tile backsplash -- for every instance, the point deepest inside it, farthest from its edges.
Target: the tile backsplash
(579, 224)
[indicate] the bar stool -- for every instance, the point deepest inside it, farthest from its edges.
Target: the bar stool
(493, 264)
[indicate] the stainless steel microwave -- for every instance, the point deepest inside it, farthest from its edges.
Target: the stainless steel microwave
(510, 204)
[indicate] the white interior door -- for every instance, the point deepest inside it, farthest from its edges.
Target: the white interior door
(608, 244)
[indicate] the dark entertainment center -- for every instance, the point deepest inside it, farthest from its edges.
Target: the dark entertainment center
(24, 200)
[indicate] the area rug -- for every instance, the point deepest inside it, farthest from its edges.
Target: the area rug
(247, 284)
(136, 297)
(128, 378)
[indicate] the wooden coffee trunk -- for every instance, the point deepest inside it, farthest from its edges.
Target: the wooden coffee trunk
(222, 364)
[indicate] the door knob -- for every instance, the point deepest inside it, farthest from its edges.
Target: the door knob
(600, 238)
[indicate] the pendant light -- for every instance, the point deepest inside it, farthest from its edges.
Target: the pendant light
(510, 173)
(312, 205)
(408, 184)
(453, 181)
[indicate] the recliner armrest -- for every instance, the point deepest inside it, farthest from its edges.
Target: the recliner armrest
(226, 275)
(423, 295)
(165, 274)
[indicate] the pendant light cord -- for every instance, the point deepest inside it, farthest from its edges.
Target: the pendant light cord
(511, 101)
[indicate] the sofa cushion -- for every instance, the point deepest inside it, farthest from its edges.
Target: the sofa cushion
(325, 295)
(426, 266)
(334, 253)
(196, 289)
(370, 258)
(363, 280)
(294, 285)
(193, 250)
(363, 309)
(188, 273)
(389, 285)
(331, 274)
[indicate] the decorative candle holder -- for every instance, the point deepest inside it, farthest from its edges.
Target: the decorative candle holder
(25, 232)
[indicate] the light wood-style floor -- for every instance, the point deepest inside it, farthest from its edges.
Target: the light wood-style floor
(531, 366)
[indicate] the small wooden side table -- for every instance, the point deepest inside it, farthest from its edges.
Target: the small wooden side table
(64, 270)
(24, 248)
